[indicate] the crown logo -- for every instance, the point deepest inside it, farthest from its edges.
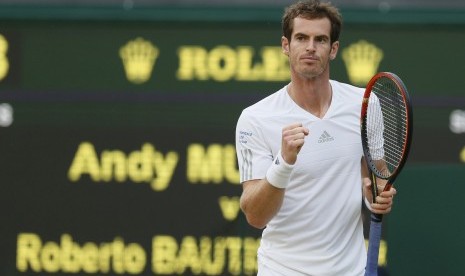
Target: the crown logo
(139, 58)
(362, 60)
(4, 64)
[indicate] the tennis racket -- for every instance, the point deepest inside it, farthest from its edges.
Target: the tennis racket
(386, 131)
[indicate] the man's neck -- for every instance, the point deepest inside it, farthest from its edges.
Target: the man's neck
(314, 95)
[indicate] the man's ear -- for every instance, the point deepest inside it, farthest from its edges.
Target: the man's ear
(285, 45)
(334, 49)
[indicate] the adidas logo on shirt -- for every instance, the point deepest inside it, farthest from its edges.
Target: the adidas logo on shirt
(325, 137)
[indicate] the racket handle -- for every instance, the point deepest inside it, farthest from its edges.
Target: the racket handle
(373, 245)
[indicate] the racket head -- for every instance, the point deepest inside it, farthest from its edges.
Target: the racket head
(386, 125)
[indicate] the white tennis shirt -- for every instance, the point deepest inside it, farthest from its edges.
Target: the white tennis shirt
(318, 230)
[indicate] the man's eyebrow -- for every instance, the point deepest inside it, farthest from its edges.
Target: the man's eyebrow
(317, 36)
(300, 34)
(322, 36)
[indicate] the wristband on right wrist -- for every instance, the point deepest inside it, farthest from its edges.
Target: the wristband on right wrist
(279, 172)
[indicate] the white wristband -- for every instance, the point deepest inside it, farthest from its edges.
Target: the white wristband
(367, 204)
(279, 172)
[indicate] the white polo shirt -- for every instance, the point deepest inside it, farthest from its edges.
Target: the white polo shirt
(318, 230)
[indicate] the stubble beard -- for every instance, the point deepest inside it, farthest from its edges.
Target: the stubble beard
(310, 73)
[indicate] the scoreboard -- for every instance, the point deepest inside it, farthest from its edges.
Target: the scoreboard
(117, 138)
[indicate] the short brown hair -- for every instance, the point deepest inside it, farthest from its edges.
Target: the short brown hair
(312, 9)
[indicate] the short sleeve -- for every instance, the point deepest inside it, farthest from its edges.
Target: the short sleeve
(253, 154)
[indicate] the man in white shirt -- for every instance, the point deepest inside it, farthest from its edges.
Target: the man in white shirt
(300, 158)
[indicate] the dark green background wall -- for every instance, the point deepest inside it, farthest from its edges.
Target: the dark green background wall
(67, 86)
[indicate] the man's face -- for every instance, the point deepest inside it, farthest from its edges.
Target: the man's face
(310, 48)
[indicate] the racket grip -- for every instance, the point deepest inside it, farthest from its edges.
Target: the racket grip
(373, 245)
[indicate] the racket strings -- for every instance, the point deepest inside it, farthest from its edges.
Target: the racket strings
(386, 126)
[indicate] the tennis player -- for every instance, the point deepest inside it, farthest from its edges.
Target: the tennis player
(300, 158)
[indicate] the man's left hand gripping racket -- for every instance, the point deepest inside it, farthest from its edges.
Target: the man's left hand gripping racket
(386, 131)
